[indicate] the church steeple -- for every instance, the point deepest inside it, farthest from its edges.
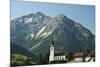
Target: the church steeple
(52, 42)
(51, 57)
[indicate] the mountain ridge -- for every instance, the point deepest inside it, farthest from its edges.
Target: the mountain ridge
(36, 36)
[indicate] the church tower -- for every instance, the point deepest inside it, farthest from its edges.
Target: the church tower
(51, 56)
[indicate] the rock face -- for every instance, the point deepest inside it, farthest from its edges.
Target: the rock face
(35, 32)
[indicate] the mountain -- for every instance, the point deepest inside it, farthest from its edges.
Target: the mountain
(17, 49)
(36, 35)
(25, 28)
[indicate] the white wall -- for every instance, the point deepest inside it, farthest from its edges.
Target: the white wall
(78, 59)
(59, 58)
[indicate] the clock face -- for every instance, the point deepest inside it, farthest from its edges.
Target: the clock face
(51, 48)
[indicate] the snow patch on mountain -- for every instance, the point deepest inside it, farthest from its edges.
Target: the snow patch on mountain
(40, 31)
(37, 45)
(46, 34)
(28, 20)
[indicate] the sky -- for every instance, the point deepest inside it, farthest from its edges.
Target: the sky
(83, 14)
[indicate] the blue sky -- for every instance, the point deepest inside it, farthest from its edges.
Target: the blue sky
(84, 14)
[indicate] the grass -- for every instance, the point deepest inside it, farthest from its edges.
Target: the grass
(73, 61)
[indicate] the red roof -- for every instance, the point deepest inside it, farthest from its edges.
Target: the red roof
(92, 53)
(79, 54)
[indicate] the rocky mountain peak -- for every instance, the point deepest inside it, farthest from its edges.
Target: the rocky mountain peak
(61, 17)
(39, 14)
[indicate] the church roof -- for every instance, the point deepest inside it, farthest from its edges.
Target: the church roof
(59, 53)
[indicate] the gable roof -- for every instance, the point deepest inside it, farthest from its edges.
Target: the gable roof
(59, 53)
(78, 54)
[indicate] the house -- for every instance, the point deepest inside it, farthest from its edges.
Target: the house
(78, 56)
(86, 57)
(56, 56)
(92, 56)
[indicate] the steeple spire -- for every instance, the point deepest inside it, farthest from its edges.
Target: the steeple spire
(52, 42)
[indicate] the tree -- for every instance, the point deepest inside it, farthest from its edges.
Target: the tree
(70, 56)
(27, 61)
(46, 59)
(40, 60)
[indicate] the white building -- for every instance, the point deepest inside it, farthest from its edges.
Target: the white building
(56, 56)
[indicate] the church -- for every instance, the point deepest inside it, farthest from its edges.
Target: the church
(56, 56)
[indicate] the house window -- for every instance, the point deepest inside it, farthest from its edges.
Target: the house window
(61, 57)
(57, 57)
